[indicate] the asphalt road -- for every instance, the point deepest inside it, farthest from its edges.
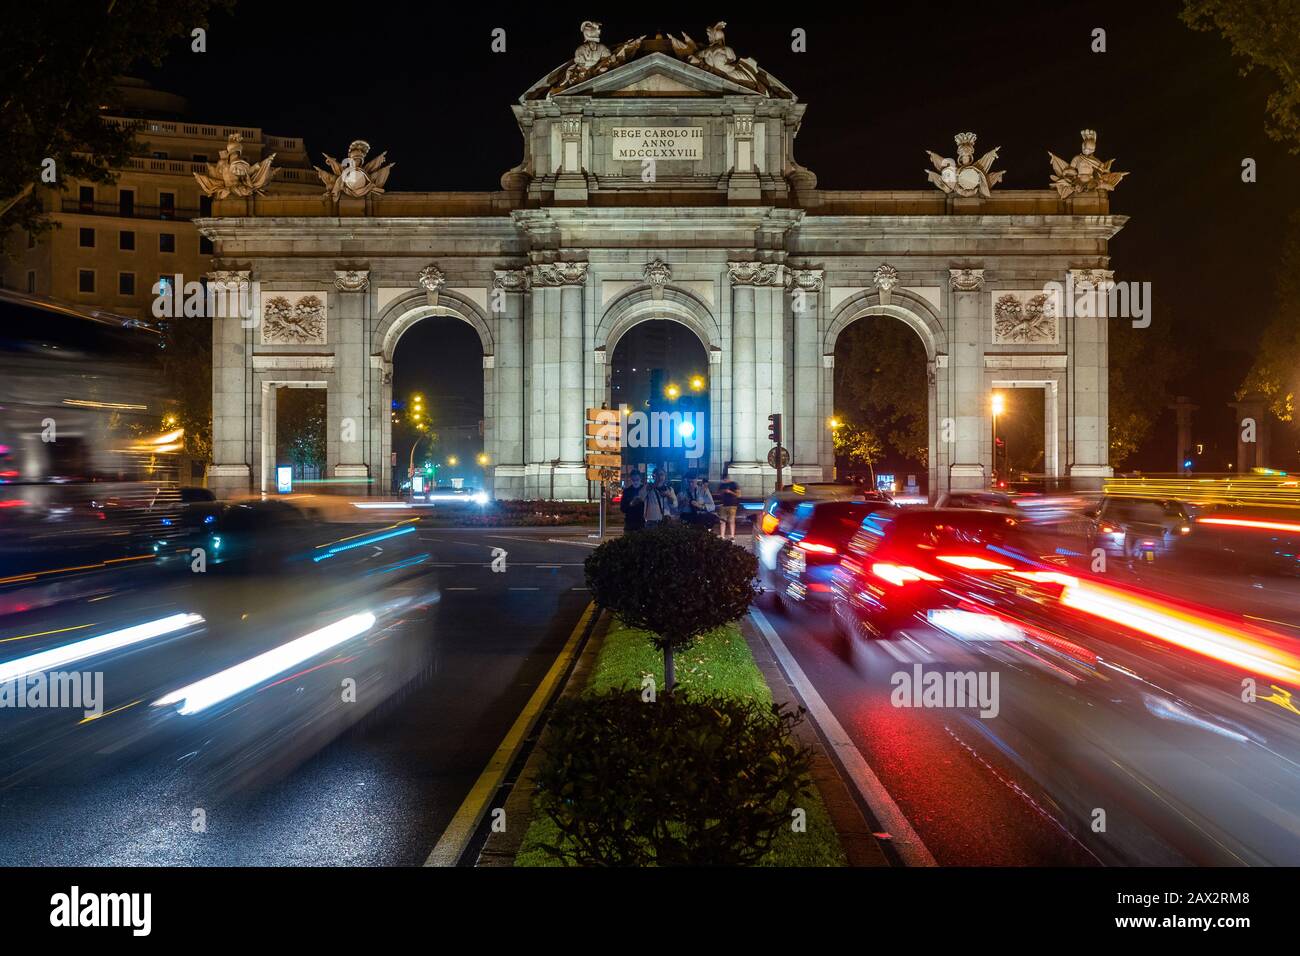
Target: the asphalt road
(1154, 738)
(377, 792)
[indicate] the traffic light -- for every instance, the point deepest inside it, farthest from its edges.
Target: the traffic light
(1188, 460)
(774, 428)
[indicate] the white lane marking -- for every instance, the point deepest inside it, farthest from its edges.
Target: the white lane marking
(887, 813)
(581, 544)
(523, 589)
(897, 653)
(920, 648)
(577, 589)
(460, 589)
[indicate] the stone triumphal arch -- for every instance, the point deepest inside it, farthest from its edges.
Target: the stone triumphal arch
(659, 182)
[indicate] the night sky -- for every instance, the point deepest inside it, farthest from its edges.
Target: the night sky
(883, 85)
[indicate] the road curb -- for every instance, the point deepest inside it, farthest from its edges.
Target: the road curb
(861, 848)
(502, 847)
(851, 770)
(451, 846)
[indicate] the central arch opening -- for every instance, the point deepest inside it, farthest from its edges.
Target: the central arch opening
(660, 371)
(437, 406)
(880, 426)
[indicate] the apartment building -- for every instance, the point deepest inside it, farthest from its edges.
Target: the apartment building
(112, 243)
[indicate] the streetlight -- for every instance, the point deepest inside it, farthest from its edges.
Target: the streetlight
(452, 461)
(697, 383)
(482, 458)
(999, 406)
(673, 391)
(834, 423)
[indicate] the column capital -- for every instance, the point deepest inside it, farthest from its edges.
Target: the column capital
(511, 280)
(806, 280)
(229, 276)
(558, 273)
(756, 273)
(352, 280)
(966, 280)
(1093, 278)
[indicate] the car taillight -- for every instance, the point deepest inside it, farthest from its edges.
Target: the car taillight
(1107, 529)
(1185, 529)
(770, 523)
(973, 563)
(815, 547)
(900, 573)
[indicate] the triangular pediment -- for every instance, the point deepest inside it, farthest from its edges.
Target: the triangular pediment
(658, 75)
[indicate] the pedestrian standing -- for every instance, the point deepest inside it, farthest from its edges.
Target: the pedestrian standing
(660, 500)
(632, 504)
(729, 501)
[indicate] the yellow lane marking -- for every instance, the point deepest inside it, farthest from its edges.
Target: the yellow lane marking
(108, 713)
(451, 845)
(61, 630)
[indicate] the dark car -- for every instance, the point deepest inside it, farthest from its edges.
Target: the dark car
(773, 523)
(261, 536)
(815, 540)
(188, 527)
(907, 570)
(1138, 528)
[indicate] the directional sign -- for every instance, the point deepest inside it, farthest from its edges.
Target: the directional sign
(602, 474)
(606, 445)
(603, 415)
(606, 461)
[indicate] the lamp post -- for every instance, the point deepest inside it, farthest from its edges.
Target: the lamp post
(999, 405)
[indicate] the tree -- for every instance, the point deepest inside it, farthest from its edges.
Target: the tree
(675, 581)
(880, 380)
(1267, 34)
(300, 419)
(856, 444)
(1142, 362)
(57, 69)
(186, 367)
(1277, 360)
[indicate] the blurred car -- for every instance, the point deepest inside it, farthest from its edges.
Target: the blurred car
(1250, 541)
(186, 528)
(258, 536)
(441, 495)
(906, 570)
(998, 501)
(1138, 528)
(812, 547)
(771, 525)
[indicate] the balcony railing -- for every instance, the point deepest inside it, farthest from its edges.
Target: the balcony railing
(135, 211)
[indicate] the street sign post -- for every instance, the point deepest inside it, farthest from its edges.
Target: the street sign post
(604, 452)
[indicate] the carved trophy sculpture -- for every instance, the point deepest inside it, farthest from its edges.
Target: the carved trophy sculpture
(354, 177)
(965, 176)
(592, 57)
(234, 175)
(1085, 173)
(717, 56)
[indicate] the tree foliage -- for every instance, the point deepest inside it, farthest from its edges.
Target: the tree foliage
(857, 445)
(675, 581)
(881, 387)
(1276, 371)
(1142, 363)
(57, 68)
(682, 781)
(1267, 34)
(300, 426)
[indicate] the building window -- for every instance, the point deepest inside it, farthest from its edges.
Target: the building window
(126, 240)
(205, 246)
(205, 205)
(199, 157)
(159, 154)
(31, 281)
(126, 283)
(166, 242)
(85, 280)
(167, 205)
(164, 286)
(86, 198)
(126, 202)
(86, 238)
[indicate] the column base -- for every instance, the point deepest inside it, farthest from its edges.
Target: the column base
(967, 478)
(228, 481)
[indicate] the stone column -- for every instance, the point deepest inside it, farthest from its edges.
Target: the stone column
(233, 328)
(808, 423)
(571, 396)
(1089, 455)
(509, 289)
(743, 185)
(1252, 432)
(970, 405)
(743, 395)
(350, 371)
